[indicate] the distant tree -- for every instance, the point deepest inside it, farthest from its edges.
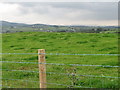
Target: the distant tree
(99, 30)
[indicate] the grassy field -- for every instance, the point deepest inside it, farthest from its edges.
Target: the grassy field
(82, 43)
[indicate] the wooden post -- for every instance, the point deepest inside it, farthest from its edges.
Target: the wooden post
(42, 68)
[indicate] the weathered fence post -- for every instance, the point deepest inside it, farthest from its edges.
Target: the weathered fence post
(42, 68)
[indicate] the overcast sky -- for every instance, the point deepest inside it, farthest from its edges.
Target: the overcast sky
(61, 13)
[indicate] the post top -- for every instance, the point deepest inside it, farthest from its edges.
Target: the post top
(41, 50)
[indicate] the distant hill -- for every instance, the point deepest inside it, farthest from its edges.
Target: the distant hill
(8, 27)
(9, 24)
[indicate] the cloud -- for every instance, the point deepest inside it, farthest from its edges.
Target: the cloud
(61, 13)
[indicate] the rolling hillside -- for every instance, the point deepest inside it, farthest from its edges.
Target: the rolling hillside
(11, 27)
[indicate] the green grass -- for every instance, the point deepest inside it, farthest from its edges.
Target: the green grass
(82, 43)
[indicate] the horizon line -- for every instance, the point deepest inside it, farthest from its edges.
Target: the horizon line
(58, 24)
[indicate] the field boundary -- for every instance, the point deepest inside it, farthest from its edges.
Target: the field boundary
(42, 67)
